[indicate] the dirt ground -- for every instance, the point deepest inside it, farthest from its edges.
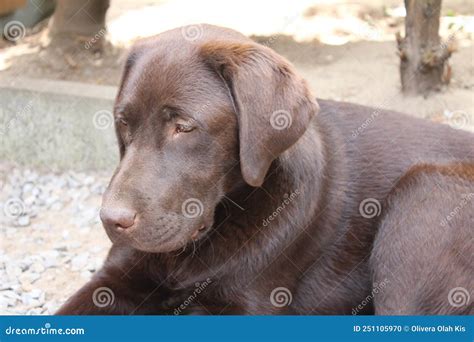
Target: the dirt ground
(346, 50)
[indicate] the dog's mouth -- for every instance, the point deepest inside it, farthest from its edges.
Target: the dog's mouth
(162, 239)
(199, 233)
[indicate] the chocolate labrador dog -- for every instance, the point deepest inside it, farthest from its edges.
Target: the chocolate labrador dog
(239, 193)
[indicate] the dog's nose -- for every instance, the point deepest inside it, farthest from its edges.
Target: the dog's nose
(119, 217)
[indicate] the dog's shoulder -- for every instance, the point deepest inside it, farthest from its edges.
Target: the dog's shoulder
(443, 175)
(438, 188)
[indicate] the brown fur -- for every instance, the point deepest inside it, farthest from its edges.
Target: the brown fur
(332, 157)
(427, 256)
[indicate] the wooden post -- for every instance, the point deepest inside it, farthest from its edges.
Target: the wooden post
(424, 64)
(84, 19)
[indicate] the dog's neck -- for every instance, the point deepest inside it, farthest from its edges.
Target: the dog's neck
(296, 175)
(260, 222)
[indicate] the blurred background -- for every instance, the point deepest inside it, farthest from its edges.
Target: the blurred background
(60, 65)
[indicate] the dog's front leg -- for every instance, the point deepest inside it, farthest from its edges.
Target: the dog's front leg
(105, 295)
(120, 287)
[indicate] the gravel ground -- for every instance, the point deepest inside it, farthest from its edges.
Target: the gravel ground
(51, 239)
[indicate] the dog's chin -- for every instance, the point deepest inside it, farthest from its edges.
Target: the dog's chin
(149, 244)
(158, 247)
(174, 247)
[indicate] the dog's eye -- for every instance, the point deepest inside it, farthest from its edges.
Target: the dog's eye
(180, 128)
(122, 121)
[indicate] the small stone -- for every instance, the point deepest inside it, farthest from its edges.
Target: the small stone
(61, 248)
(9, 297)
(3, 302)
(37, 267)
(30, 302)
(51, 306)
(36, 293)
(13, 271)
(5, 286)
(35, 311)
(26, 286)
(50, 259)
(27, 187)
(2, 265)
(88, 180)
(28, 277)
(30, 200)
(80, 261)
(36, 191)
(92, 266)
(23, 221)
(86, 274)
(9, 294)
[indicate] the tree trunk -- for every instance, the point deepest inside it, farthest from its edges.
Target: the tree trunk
(423, 59)
(85, 20)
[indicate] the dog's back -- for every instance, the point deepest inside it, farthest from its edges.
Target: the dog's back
(375, 148)
(367, 151)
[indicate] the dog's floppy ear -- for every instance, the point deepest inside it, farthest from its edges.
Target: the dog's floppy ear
(273, 104)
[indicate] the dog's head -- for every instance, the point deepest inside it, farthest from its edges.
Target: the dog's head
(196, 116)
